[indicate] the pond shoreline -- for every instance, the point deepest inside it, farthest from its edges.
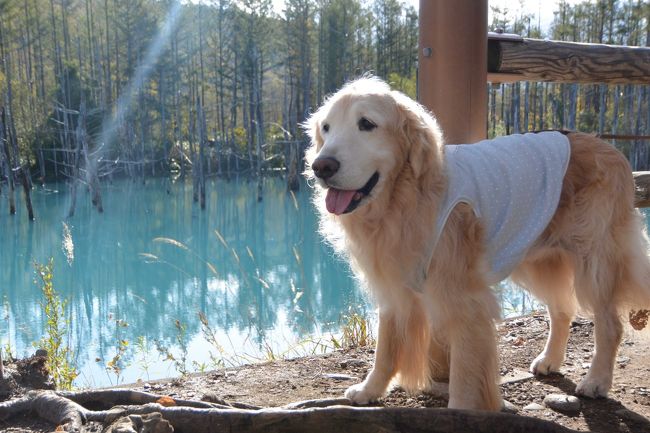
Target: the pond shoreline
(276, 383)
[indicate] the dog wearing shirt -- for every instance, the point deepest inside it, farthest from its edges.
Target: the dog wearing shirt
(429, 227)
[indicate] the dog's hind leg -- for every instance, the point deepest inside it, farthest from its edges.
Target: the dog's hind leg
(596, 285)
(561, 311)
(608, 330)
(550, 279)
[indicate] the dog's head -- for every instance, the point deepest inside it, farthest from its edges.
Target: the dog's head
(365, 138)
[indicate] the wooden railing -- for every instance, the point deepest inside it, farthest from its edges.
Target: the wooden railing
(642, 188)
(514, 58)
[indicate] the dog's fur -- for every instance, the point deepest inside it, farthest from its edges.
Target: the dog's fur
(592, 255)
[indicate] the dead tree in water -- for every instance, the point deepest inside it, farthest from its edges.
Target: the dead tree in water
(202, 127)
(8, 167)
(22, 171)
(77, 162)
(9, 131)
(81, 140)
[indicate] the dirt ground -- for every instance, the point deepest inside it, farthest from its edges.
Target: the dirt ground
(521, 339)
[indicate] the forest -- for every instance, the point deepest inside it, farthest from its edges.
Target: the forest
(96, 89)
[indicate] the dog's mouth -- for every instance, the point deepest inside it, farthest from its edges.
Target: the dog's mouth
(340, 201)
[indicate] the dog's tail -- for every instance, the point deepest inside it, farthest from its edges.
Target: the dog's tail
(635, 284)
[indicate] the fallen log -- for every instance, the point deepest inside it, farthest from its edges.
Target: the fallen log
(61, 410)
(350, 419)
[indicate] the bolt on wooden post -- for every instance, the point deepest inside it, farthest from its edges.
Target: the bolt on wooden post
(452, 61)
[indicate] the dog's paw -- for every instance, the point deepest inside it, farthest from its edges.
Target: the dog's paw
(545, 364)
(361, 393)
(593, 387)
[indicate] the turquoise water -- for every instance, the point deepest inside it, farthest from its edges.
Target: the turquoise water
(137, 276)
(267, 286)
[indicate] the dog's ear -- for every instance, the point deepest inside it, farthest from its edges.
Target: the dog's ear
(421, 137)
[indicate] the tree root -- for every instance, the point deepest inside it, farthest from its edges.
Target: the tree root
(126, 411)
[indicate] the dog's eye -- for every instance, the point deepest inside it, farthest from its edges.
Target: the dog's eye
(326, 127)
(366, 125)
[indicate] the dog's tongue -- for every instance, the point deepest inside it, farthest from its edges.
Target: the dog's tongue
(338, 200)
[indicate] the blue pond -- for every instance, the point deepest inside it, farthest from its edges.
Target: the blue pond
(137, 277)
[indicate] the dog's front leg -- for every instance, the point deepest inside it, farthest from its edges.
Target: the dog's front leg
(386, 356)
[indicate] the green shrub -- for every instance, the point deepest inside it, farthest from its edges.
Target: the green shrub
(59, 353)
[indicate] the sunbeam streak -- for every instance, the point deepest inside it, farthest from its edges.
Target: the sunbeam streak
(138, 80)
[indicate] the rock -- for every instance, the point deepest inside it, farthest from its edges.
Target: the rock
(562, 402)
(336, 376)
(150, 423)
(622, 361)
(352, 363)
(509, 407)
(534, 406)
(213, 397)
(519, 341)
(516, 375)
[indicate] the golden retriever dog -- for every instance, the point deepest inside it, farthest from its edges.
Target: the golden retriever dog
(379, 163)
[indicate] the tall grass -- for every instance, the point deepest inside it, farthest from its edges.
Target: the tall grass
(356, 331)
(59, 353)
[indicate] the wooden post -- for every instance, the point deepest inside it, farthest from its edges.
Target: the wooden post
(452, 67)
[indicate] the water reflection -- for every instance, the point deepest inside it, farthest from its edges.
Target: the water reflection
(153, 260)
(257, 270)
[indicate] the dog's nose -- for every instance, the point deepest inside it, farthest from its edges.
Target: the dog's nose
(325, 167)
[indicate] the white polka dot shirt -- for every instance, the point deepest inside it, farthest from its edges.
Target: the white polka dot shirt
(513, 184)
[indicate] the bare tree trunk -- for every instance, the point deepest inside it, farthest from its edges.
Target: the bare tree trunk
(573, 104)
(41, 166)
(526, 105)
(92, 177)
(602, 108)
(108, 91)
(9, 165)
(617, 91)
(516, 109)
(642, 162)
(259, 126)
(79, 137)
(201, 159)
(9, 133)
(493, 109)
(542, 104)
(27, 189)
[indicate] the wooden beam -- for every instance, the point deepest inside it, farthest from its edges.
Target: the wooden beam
(452, 66)
(642, 188)
(566, 62)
